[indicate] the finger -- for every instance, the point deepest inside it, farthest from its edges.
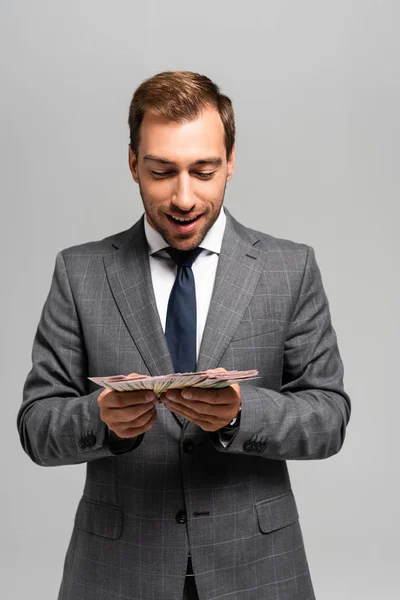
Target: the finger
(219, 411)
(196, 407)
(129, 431)
(206, 425)
(121, 417)
(128, 414)
(138, 422)
(194, 416)
(211, 396)
(197, 395)
(124, 399)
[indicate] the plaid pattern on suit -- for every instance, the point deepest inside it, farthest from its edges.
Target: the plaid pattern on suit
(268, 311)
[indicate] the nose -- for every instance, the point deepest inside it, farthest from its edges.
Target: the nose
(182, 196)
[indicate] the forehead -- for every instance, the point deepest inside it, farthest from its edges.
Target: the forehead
(183, 142)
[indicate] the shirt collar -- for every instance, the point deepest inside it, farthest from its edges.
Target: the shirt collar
(211, 242)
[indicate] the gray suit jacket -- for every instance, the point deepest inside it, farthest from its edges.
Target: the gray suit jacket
(179, 489)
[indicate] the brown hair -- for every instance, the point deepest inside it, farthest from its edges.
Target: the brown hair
(179, 96)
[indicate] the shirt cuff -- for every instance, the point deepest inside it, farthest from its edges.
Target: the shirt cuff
(227, 433)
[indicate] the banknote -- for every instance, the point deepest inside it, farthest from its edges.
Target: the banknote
(213, 378)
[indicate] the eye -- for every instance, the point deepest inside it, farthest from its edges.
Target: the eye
(164, 174)
(205, 175)
(161, 174)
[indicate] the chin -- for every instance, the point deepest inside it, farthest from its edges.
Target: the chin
(188, 243)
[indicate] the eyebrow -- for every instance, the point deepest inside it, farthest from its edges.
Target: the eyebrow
(210, 160)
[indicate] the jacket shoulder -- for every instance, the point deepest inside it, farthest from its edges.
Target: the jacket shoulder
(101, 247)
(270, 243)
(89, 256)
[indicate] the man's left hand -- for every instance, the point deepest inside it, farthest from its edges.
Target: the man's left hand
(210, 409)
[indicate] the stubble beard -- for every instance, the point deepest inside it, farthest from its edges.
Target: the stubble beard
(180, 242)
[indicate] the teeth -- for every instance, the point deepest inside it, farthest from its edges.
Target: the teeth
(183, 220)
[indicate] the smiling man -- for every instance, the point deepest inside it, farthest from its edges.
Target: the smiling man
(189, 497)
(182, 182)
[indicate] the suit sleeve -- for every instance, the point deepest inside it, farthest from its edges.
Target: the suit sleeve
(307, 417)
(59, 421)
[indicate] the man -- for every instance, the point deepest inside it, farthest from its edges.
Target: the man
(197, 483)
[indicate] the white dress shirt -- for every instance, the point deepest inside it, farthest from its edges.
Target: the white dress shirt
(163, 272)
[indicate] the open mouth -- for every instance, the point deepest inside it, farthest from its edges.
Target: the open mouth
(184, 225)
(182, 220)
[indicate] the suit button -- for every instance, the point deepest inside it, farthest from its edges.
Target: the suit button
(180, 516)
(248, 446)
(91, 440)
(260, 447)
(83, 442)
(188, 446)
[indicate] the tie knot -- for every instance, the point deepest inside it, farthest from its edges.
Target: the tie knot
(184, 258)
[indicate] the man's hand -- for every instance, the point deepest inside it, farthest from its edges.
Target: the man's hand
(128, 414)
(210, 409)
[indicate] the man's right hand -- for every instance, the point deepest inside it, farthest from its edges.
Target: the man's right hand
(128, 414)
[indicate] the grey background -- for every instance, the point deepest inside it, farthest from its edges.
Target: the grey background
(315, 86)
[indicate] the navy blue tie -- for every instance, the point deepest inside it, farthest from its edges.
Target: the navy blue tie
(180, 328)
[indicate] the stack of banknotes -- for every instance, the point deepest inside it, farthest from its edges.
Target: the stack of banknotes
(213, 378)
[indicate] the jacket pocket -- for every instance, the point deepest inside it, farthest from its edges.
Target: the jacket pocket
(253, 328)
(100, 519)
(275, 513)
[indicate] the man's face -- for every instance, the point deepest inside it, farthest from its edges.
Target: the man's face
(182, 170)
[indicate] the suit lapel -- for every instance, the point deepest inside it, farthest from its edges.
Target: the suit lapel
(128, 272)
(129, 277)
(239, 268)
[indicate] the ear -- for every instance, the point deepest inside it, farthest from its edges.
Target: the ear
(231, 163)
(133, 164)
